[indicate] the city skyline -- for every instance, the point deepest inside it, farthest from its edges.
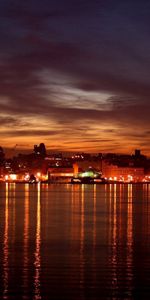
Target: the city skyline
(75, 75)
(15, 151)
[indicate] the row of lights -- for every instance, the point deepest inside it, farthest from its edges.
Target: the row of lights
(129, 178)
(39, 177)
(14, 177)
(121, 179)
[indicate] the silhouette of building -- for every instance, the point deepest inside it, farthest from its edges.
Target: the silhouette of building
(2, 155)
(40, 150)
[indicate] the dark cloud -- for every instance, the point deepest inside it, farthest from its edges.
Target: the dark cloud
(18, 133)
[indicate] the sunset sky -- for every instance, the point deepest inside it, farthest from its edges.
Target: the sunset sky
(75, 74)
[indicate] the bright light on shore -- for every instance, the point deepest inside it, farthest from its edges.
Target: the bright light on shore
(6, 177)
(38, 174)
(13, 176)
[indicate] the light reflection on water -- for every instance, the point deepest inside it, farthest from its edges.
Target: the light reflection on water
(37, 261)
(74, 241)
(26, 239)
(82, 238)
(5, 248)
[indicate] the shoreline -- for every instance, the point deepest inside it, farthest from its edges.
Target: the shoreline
(74, 183)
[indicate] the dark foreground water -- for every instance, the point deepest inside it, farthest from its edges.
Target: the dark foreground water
(74, 242)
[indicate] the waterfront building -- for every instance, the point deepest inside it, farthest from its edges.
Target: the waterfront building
(62, 172)
(114, 172)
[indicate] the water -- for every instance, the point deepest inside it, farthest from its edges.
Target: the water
(74, 242)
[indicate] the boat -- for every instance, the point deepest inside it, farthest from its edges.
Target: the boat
(32, 179)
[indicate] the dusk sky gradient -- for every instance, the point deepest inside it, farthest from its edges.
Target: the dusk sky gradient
(75, 75)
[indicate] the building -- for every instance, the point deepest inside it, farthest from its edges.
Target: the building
(62, 173)
(114, 172)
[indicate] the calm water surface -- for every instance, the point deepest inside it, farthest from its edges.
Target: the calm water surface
(74, 242)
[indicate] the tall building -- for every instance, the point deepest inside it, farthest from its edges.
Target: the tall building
(137, 153)
(40, 150)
